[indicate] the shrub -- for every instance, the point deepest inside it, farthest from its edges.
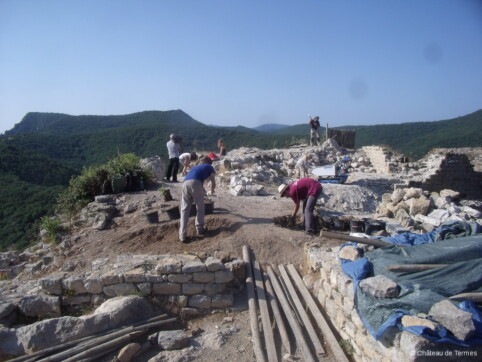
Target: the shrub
(96, 180)
(52, 225)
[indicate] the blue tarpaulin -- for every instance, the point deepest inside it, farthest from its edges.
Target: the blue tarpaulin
(419, 291)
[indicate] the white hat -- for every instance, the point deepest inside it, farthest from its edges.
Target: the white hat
(282, 188)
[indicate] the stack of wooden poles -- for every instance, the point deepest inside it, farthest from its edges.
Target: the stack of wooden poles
(288, 314)
(93, 347)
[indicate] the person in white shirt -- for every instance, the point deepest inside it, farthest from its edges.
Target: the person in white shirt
(301, 165)
(174, 149)
(186, 159)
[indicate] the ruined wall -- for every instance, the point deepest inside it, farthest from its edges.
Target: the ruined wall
(454, 172)
(335, 293)
(380, 158)
(183, 284)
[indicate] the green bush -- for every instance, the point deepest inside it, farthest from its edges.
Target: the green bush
(53, 225)
(97, 180)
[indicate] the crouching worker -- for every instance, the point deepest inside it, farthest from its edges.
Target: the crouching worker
(185, 159)
(193, 191)
(308, 191)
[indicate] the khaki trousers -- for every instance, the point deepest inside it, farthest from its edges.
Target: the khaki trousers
(192, 192)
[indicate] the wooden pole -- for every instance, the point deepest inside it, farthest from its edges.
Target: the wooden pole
(328, 335)
(413, 268)
(285, 339)
(301, 311)
(475, 297)
(119, 331)
(105, 347)
(372, 242)
(253, 317)
(263, 308)
(300, 339)
(103, 339)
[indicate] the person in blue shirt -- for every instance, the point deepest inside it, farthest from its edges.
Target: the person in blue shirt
(193, 191)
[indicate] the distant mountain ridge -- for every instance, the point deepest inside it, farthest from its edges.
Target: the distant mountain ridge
(59, 123)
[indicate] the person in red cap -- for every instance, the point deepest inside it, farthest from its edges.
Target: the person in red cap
(308, 191)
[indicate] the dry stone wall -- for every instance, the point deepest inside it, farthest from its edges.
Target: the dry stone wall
(380, 158)
(335, 293)
(451, 171)
(185, 285)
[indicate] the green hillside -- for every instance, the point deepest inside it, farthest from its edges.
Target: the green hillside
(40, 154)
(411, 139)
(416, 139)
(29, 184)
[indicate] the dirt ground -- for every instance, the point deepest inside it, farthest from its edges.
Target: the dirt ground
(236, 221)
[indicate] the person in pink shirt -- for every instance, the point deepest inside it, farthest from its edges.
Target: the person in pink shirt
(306, 190)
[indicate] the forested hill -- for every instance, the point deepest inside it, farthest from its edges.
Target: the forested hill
(64, 124)
(87, 140)
(413, 139)
(416, 139)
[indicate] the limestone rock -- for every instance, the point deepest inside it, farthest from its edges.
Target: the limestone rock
(127, 353)
(40, 306)
(169, 266)
(418, 206)
(171, 340)
(380, 287)
(349, 252)
(457, 321)
(450, 194)
(126, 309)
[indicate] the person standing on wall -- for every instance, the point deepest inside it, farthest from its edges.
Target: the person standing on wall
(193, 191)
(174, 149)
(308, 191)
(314, 133)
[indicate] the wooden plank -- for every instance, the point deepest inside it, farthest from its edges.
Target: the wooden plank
(413, 268)
(253, 316)
(339, 236)
(285, 339)
(301, 311)
(265, 320)
(328, 335)
(300, 339)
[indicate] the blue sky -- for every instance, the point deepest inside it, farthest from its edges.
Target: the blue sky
(246, 62)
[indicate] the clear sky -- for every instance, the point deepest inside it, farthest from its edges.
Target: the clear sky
(243, 62)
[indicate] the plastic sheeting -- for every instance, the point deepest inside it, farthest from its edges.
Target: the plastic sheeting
(419, 291)
(448, 230)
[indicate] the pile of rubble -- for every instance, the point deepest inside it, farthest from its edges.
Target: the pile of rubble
(414, 206)
(247, 170)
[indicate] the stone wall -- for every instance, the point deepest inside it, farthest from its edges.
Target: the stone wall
(380, 158)
(335, 293)
(184, 284)
(452, 171)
